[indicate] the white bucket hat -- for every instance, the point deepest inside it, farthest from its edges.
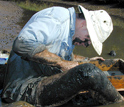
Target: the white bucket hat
(99, 25)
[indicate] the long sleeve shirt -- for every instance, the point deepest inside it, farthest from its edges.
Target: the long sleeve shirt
(51, 29)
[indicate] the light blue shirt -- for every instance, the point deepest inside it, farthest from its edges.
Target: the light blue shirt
(52, 27)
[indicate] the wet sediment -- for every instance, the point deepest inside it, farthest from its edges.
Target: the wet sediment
(10, 15)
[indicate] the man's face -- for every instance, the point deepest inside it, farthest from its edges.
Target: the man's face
(81, 36)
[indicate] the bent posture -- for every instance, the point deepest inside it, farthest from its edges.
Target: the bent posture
(42, 69)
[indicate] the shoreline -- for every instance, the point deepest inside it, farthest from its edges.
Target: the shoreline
(112, 9)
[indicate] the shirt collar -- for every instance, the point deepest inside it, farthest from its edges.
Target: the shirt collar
(72, 20)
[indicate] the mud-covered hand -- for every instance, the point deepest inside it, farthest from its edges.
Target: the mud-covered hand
(96, 58)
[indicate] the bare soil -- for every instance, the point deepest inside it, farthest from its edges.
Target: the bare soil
(10, 15)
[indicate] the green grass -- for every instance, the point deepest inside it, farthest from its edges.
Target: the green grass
(33, 6)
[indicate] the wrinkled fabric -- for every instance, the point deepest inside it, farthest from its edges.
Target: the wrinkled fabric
(51, 29)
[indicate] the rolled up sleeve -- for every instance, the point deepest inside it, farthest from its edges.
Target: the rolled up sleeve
(27, 48)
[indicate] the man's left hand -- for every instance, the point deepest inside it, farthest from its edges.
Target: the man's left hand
(96, 58)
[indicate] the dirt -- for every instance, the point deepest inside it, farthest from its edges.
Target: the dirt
(10, 15)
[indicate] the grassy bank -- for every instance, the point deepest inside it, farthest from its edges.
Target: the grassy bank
(33, 6)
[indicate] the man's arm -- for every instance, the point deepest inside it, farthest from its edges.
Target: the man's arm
(46, 57)
(37, 52)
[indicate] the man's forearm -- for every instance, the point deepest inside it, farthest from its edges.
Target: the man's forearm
(46, 57)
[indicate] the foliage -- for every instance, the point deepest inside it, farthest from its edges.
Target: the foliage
(33, 6)
(96, 1)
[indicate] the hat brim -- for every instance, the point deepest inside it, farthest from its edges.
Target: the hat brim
(91, 30)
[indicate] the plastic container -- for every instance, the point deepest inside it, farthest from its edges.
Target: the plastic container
(3, 58)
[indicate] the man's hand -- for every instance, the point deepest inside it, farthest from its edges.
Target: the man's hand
(96, 58)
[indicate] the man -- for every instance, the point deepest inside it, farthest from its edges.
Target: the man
(42, 69)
